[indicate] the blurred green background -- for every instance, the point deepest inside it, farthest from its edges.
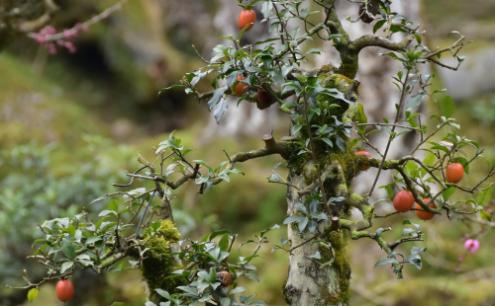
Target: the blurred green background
(73, 124)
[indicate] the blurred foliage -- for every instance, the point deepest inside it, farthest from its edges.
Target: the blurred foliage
(484, 110)
(43, 181)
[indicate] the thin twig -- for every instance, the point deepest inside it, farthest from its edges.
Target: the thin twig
(392, 132)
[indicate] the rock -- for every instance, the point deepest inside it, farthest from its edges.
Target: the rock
(475, 76)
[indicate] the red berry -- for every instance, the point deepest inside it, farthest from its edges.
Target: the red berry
(246, 19)
(225, 278)
(423, 214)
(240, 88)
(363, 153)
(403, 201)
(264, 99)
(454, 172)
(64, 290)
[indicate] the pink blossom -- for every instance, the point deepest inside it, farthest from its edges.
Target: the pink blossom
(51, 47)
(69, 45)
(51, 40)
(44, 34)
(472, 245)
(70, 33)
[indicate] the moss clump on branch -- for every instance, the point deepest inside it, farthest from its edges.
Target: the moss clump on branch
(159, 262)
(350, 163)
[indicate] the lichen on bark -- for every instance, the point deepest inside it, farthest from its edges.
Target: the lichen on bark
(323, 281)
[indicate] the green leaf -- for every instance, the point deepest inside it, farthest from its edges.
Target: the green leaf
(414, 102)
(163, 293)
(66, 266)
(447, 106)
(214, 234)
(360, 115)
(412, 169)
(378, 25)
(117, 304)
(386, 261)
(32, 294)
(224, 242)
(415, 257)
(416, 261)
(85, 260)
(217, 103)
(396, 28)
(107, 212)
(484, 196)
(447, 193)
(429, 159)
(68, 249)
(275, 178)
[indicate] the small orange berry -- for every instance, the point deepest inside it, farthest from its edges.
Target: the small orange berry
(64, 290)
(246, 19)
(363, 153)
(225, 278)
(403, 201)
(454, 172)
(240, 88)
(423, 214)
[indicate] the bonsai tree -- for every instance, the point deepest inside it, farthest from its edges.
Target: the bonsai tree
(326, 148)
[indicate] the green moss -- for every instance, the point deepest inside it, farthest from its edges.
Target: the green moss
(350, 163)
(349, 65)
(338, 256)
(159, 262)
(168, 231)
(338, 240)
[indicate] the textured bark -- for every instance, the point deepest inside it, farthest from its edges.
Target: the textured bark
(311, 281)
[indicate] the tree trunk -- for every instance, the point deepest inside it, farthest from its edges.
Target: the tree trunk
(314, 281)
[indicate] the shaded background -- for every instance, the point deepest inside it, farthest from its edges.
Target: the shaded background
(72, 124)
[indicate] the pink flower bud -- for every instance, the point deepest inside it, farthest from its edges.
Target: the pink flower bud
(48, 30)
(69, 33)
(39, 38)
(52, 48)
(70, 46)
(472, 245)
(79, 27)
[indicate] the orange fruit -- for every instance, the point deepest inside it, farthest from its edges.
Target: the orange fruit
(264, 99)
(454, 172)
(240, 88)
(64, 290)
(423, 214)
(403, 201)
(246, 19)
(225, 278)
(363, 153)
